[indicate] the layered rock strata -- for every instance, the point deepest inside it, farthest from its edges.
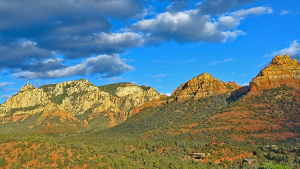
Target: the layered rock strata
(282, 70)
(75, 98)
(201, 86)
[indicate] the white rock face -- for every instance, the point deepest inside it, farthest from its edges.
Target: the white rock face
(77, 97)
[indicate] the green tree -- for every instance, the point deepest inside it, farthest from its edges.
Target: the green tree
(3, 162)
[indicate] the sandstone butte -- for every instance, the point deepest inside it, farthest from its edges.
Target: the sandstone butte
(282, 70)
(202, 86)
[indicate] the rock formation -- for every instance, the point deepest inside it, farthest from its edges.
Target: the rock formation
(203, 85)
(76, 98)
(282, 70)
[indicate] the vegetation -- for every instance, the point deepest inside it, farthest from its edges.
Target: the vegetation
(47, 88)
(223, 128)
(112, 88)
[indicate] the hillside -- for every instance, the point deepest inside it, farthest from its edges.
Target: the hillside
(128, 126)
(205, 108)
(72, 106)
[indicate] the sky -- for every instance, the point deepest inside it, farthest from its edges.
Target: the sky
(158, 43)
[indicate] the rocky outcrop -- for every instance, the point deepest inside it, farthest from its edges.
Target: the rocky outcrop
(28, 96)
(282, 70)
(75, 98)
(201, 86)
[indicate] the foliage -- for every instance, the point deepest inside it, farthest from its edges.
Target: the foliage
(274, 166)
(162, 137)
(47, 88)
(3, 162)
(112, 88)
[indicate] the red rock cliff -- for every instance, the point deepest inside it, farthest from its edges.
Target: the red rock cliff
(282, 70)
(203, 85)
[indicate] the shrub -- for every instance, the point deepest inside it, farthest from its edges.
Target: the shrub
(3, 162)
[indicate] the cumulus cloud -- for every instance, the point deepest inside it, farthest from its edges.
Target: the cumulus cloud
(233, 19)
(177, 6)
(35, 32)
(184, 26)
(104, 65)
(193, 26)
(293, 50)
(34, 61)
(15, 55)
(44, 19)
(18, 12)
(78, 46)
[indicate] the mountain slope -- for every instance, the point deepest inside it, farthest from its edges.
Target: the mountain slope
(282, 70)
(201, 86)
(73, 103)
(272, 112)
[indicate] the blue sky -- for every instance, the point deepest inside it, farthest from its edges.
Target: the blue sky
(158, 43)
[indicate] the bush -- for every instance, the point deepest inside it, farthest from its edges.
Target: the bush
(3, 162)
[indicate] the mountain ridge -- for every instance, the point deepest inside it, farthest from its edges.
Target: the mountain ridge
(75, 98)
(85, 106)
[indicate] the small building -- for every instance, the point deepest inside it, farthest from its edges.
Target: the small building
(271, 147)
(249, 160)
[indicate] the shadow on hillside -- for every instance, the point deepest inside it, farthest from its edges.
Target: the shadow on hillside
(237, 94)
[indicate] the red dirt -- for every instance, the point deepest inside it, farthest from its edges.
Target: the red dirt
(54, 155)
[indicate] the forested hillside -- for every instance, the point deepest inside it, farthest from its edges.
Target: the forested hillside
(206, 123)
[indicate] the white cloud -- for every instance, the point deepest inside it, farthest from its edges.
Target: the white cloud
(5, 96)
(105, 65)
(168, 94)
(116, 79)
(6, 83)
(262, 65)
(190, 61)
(193, 26)
(157, 61)
(157, 76)
(218, 62)
(284, 12)
(292, 50)
(245, 84)
(232, 20)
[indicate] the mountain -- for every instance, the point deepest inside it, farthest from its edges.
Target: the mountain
(282, 70)
(205, 108)
(205, 123)
(202, 86)
(78, 106)
(72, 106)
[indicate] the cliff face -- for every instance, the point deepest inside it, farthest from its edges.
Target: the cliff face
(203, 85)
(76, 99)
(282, 70)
